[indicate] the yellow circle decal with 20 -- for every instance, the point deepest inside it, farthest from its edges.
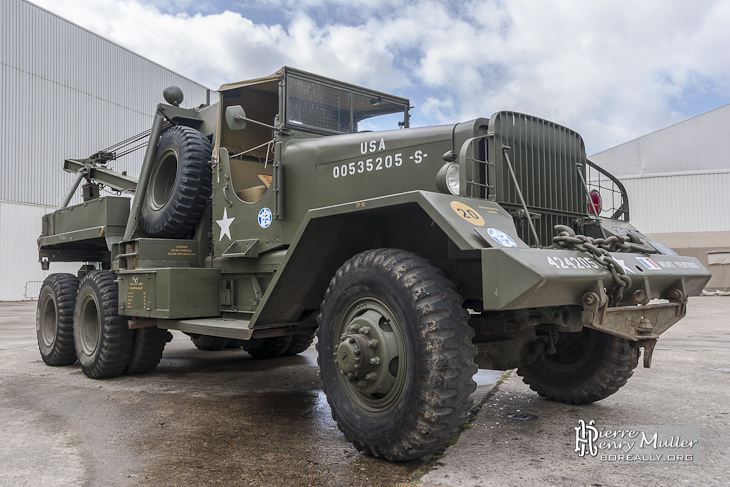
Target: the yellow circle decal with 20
(468, 213)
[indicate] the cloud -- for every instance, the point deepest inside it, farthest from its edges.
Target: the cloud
(612, 70)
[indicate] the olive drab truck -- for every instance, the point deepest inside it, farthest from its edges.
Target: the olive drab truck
(299, 206)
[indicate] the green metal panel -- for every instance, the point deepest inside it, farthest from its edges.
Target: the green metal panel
(170, 293)
(328, 236)
(151, 253)
(531, 278)
(109, 212)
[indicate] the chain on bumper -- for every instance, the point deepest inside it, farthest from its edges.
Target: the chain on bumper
(599, 249)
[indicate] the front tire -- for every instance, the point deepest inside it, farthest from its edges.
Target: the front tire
(102, 338)
(588, 366)
(395, 354)
(55, 319)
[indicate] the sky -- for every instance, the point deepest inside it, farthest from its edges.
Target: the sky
(613, 70)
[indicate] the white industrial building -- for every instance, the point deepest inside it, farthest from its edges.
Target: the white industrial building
(678, 182)
(64, 93)
(68, 93)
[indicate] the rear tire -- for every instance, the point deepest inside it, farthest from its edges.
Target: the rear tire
(103, 339)
(54, 322)
(300, 343)
(147, 348)
(588, 366)
(179, 185)
(209, 343)
(265, 348)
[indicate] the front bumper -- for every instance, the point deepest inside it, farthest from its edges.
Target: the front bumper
(519, 278)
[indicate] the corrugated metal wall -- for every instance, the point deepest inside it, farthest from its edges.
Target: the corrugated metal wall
(64, 93)
(68, 93)
(20, 226)
(682, 203)
(699, 144)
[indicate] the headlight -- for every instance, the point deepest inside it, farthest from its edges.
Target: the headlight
(447, 179)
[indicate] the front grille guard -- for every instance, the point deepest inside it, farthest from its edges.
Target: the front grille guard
(538, 171)
(613, 194)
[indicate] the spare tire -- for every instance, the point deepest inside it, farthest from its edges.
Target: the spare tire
(180, 184)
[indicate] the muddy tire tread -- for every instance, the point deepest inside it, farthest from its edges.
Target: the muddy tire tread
(444, 380)
(611, 372)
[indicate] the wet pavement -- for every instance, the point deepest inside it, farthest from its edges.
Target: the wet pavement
(222, 418)
(687, 384)
(201, 418)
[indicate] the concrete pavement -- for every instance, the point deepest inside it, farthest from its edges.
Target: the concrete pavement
(207, 418)
(687, 384)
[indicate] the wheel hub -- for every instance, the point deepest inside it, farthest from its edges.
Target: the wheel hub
(366, 352)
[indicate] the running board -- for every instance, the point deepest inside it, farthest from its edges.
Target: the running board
(220, 327)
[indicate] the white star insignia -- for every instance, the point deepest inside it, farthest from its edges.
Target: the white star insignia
(225, 225)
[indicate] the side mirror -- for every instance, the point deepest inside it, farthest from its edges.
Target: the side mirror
(236, 117)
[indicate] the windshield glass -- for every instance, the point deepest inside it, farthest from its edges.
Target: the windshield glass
(321, 107)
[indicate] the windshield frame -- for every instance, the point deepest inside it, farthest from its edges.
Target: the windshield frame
(294, 79)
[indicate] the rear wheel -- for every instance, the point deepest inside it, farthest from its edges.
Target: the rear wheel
(147, 348)
(395, 354)
(102, 338)
(263, 348)
(207, 342)
(55, 319)
(300, 343)
(587, 367)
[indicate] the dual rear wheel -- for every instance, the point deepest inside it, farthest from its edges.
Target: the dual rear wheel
(79, 321)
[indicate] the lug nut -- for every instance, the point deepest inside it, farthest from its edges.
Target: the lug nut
(365, 330)
(351, 340)
(358, 351)
(371, 376)
(373, 343)
(375, 360)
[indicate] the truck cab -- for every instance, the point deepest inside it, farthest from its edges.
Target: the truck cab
(300, 206)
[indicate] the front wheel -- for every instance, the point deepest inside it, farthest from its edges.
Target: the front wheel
(587, 367)
(395, 354)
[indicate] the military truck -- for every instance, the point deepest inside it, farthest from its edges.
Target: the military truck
(299, 205)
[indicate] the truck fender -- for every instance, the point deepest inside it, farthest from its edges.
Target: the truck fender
(329, 236)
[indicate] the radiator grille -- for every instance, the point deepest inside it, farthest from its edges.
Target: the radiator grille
(548, 160)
